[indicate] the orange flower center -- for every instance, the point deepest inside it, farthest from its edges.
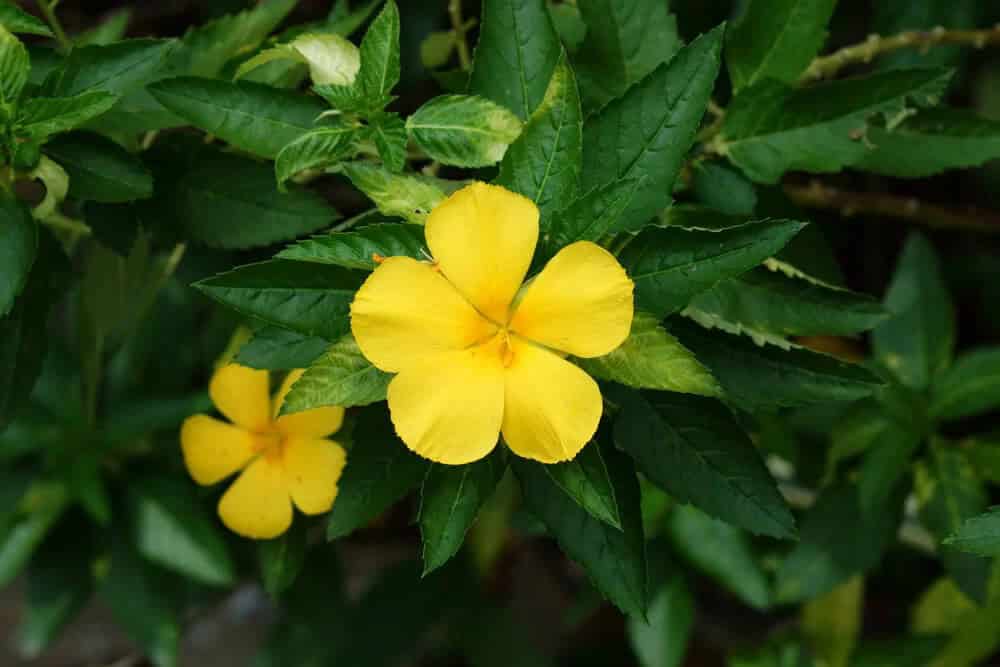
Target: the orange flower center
(270, 444)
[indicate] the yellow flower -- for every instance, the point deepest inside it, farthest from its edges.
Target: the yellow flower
(475, 352)
(283, 460)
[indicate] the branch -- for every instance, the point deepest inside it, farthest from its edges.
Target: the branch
(48, 9)
(459, 28)
(820, 196)
(828, 66)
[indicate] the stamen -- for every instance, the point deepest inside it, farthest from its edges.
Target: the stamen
(377, 258)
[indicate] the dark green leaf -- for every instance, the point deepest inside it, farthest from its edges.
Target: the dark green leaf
(18, 247)
(342, 376)
(917, 341)
(251, 116)
(970, 387)
(388, 131)
(590, 217)
(978, 535)
(16, 20)
(647, 132)
(670, 265)
(777, 39)
(517, 53)
(14, 67)
(379, 71)
(357, 249)
(544, 163)
(723, 189)
(312, 300)
(464, 130)
(587, 481)
(614, 559)
(915, 651)
(275, 349)
(321, 147)
(885, 463)
(99, 169)
(115, 68)
(111, 29)
(282, 558)
(24, 530)
(395, 195)
(40, 117)
(382, 470)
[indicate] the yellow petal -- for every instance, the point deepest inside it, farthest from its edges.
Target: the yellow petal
(312, 470)
(406, 311)
(316, 423)
(214, 450)
(241, 394)
(580, 303)
(257, 505)
(449, 408)
(483, 238)
(551, 407)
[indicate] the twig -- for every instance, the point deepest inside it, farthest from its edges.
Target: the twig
(817, 195)
(48, 8)
(825, 67)
(459, 27)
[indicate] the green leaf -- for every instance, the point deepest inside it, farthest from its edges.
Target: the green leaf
(913, 651)
(379, 71)
(947, 139)
(16, 20)
(823, 559)
(587, 481)
(885, 463)
(357, 249)
(917, 341)
(40, 117)
(670, 266)
(382, 470)
(544, 163)
(723, 189)
(626, 40)
(18, 248)
(984, 453)
(389, 134)
(450, 499)
(970, 387)
(721, 551)
(647, 132)
(257, 118)
(793, 377)
(341, 376)
(312, 300)
(116, 68)
(771, 129)
(14, 67)
(615, 560)
(650, 358)
(776, 40)
(282, 558)
(517, 53)
(978, 535)
(591, 217)
(693, 449)
(832, 622)
(395, 195)
(463, 130)
(662, 639)
(21, 534)
(276, 349)
(318, 148)
(174, 530)
(768, 304)
(99, 169)
(111, 29)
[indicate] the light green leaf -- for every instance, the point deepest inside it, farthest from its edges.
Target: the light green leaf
(14, 67)
(662, 639)
(318, 148)
(40, 117)
(331, 58)
(979, 534)
(18, 247)
(436, 49)
(517, 53)
(771, 129)
(694, 450)
(111, 29)
(544, 163)
(396, 195)
(312, 300)
(388, 131)
(463, 130)
(99, 169)
(970, 387)
(16, 20)
(670, 266)
(648, 131)
(21, 533)
(776, 39)
(832, 622)
(341, 376)
(276, 349)
(379, 72)
(917, 341)
(650, 358)
(358, 249)
(587, 481)
(116, 68)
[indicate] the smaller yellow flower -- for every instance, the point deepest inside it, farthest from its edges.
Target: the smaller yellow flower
(283, 460)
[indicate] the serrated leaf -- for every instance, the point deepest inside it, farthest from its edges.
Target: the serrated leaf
(382, 470)
(388, 131)
(99, 169)
(379, 71)
(341, 376)
(587, 481)
(793, 377)
(591, 217)
(16, 20)
(970, 387)
(450, 499)
(116, 68)
(18, 248)
(312, 300)
(544, 163)
(251, 116)
(776, 40)
(650, 358)
(648, 131)
(917, 341)
(723, 189)
(40, 117)
(464, 130)
(694, 449)
(358, 249)
(14, 67)
(671, 265)
(771, 129)
(978, 535)
(517, 52)
(615, 560)
(276, 349)
(321, 147)
(395, 195)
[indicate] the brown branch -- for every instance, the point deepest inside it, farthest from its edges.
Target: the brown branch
(826, 67)
(817, 195)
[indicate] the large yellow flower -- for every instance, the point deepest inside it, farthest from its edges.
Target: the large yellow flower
(284, 460)
(475, 352)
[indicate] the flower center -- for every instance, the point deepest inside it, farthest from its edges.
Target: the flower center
(270, 444)
(506, 349)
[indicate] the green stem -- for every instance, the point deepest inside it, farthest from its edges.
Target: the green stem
(459, 28)
(48, 10)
